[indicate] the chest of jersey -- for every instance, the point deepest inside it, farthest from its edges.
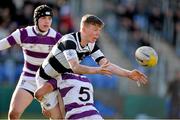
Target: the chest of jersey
(38, 43)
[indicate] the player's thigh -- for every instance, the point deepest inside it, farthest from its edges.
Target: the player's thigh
(20, 100)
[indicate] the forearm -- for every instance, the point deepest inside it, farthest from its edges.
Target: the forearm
(82, 69)
(118, 70)
(4, 44)
(131, 74)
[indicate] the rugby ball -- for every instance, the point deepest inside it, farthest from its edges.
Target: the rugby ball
(146, 56)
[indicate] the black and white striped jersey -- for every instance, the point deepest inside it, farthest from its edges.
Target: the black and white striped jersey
(67, 48)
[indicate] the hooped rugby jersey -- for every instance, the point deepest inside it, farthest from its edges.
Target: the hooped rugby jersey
(67, 48)
(77, 94)
(35, 47)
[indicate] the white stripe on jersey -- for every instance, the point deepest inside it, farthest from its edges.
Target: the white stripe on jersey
(51, 71)
(96, 54)
(52, 34)
(70, 54)
(29, 71)
(33, 60)
(29, 31)
(42, 48)
(54, 50)
(71, 82)
(60, 57)
(68, 37)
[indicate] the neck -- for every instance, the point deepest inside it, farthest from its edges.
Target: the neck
(39, 31)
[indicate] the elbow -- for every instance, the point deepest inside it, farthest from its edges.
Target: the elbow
(76, 69)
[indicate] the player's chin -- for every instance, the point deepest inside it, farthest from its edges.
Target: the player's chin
(45, 28)
(93, 40)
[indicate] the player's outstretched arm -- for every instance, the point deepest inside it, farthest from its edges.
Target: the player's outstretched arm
(131, 74)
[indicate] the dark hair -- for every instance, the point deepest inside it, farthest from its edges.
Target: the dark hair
(91, 19)
(41, 11)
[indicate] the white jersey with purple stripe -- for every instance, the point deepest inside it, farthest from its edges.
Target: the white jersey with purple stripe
(35, 48)
(77, 94)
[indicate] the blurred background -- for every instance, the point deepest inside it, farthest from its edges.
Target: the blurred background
(129, 24)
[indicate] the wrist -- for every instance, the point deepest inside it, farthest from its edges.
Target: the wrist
(96, 71)
(129, 74)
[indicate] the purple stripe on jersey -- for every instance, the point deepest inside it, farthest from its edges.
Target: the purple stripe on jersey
(64, 91)
(71, 106)
(36, 54)
(83, 114)
(58, 36)
(53, 82)
(36, 39)
(28, 74)
(75, 77)
(23, 34)
(40, 40)
(11, 40)
(31, 67)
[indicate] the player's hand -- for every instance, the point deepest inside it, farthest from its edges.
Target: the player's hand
(138, 76)
(45, 112)
(43, 90)
(103, 69)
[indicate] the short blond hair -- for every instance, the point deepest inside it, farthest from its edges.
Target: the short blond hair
(89, 19)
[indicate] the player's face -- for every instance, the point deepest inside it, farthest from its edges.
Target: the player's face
(93, 33)
(44, 23)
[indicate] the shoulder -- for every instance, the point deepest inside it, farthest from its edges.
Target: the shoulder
(52, 30)
(53, 33)
(21, 31)
(68, 37)
(26, 30)
(68, 41)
